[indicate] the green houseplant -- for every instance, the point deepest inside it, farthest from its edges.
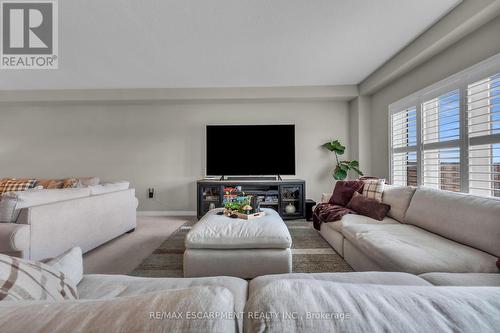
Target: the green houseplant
(342, 167)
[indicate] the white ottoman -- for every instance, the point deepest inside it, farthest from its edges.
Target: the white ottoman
(219, 245)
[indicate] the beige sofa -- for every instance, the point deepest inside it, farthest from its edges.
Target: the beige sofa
(63, 219)
(425, 231)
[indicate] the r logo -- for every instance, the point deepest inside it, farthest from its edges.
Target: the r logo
(27, 28)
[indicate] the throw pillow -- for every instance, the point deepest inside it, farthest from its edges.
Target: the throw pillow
(498, 263)
(343, 191)
(374, 188)
(368, 207)
(70, 263)
(50, 183)
(70, 183)
(25, 280)
(14, 185)
(88, 181)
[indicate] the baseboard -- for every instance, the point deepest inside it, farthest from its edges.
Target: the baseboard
(166, 213)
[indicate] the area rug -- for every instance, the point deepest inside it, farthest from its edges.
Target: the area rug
(310, 253)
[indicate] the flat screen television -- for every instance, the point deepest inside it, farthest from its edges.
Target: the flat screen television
(254, 150)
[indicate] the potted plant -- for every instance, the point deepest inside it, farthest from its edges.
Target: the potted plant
(342, 167)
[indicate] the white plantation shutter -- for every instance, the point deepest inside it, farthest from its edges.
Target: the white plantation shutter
(404, 147)
(441, 141)
(447, 136)
(442, 169)
(483, 119)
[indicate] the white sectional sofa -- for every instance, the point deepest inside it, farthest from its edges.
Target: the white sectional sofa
(425, 231)
(112, 303)
(45, 223)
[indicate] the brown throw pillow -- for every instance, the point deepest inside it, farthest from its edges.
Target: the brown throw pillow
(50, 183)
(344, 189)
(368, 207)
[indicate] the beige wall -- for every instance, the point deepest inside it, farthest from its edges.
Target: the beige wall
(479, 45)
(157, 144)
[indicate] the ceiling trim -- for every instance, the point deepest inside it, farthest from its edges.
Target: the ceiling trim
(461, 21)
(333, 93)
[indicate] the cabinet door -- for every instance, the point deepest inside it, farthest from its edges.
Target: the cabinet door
(210, 197)
(292, 200)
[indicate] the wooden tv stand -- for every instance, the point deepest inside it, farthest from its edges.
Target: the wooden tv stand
(275, 194)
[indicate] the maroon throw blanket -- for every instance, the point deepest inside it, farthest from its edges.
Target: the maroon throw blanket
(326, 212)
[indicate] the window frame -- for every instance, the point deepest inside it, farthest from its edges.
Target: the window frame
(460, 82)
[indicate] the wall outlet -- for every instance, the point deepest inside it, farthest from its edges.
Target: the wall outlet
(151, 192)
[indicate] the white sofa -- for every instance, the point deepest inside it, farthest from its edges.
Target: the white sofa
(112, 303)
(425, 231)
(45, 223)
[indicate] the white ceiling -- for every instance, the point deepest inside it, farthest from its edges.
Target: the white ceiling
(226, 43)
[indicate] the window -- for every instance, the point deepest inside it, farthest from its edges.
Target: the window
(447, 136)
(441, 140)
(483, 116)
(404, 142)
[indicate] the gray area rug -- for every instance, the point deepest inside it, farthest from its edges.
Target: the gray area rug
(311, 253)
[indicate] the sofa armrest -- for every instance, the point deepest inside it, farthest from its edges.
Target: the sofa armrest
(14, 238)
(325, 197)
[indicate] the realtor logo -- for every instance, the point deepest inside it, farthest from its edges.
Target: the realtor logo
(29, 35)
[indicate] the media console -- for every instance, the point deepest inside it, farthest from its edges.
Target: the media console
(286, 196)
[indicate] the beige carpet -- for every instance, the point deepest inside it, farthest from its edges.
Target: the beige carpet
(121, 255)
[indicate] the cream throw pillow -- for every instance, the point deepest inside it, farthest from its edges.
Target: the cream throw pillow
(70, 263)
(374, 188)
(25, 280)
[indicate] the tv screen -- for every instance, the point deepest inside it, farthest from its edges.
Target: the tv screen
(240, 150)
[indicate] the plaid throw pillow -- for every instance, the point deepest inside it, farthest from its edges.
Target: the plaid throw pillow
(374, 188)
(25, 280)
(13, 185)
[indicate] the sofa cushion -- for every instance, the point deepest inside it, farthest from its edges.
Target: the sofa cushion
(153, 312)
(99, 286)
(406, 248)
(398, 197)
(353, 219)
(368, 207)
(25, 280)
(70, 263)
(104, 286)
(465, 218)
(387, 278)
(13, 202)
(463, 279)
(324, 306)
(108, 187)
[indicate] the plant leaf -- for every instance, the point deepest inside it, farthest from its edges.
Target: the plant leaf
(334, 146)
(357, 170)
(339, 174)
(354, 164)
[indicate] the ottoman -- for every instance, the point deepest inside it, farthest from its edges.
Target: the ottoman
(219, 245)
